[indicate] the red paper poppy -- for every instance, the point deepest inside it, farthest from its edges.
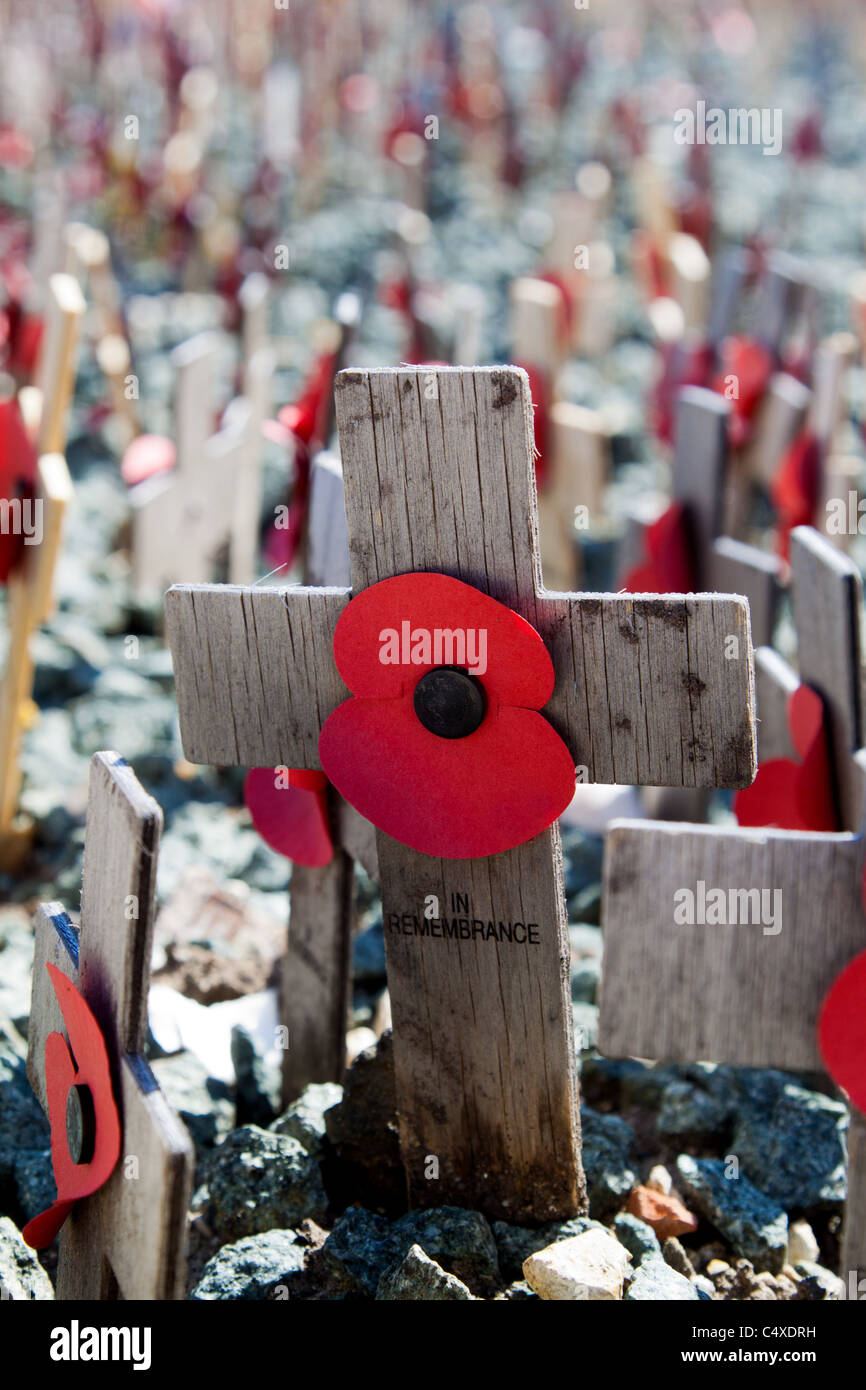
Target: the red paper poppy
(668, 565)
(503, 778)
(147, 455)
(680, 366)
(292, 819)
(80, 1062)
(746, 366)
(17, 480)
(842, 1031)
(790, 795)
(795, 488)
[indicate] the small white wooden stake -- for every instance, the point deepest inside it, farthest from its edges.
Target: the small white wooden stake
(185, 521)
(56, 374)
(644, 693)
(690, 274)
(535, 334)
(254, 299)
(88, 259)
(579, 467)
(112, 354)
(127, 1240)
(29, 603)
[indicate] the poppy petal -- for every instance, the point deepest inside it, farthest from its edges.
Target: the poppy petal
(842, 1031)
(293, 820)
(452, 798)
(459, 797)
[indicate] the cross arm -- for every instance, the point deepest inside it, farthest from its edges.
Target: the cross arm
(651, 690)
(255, 671)
(747, 992)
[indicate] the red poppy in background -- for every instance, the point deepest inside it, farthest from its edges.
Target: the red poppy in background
(305, 423)
(667, 566)
(793, 795)
(292, 819)
(503, 777)
(80, 1061)
(17, 479)
(795, 488)
(746, 368)
(842, 1030)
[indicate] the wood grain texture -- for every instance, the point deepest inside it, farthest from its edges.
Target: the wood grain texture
(645, 695)
(644, 691)
(316, 974)
(254, 671)
(128, 1239)
(483, 1041)
(828, 603)
(483, 1047)
(724, 993)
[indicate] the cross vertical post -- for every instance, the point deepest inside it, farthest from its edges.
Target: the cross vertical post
(126, 1240)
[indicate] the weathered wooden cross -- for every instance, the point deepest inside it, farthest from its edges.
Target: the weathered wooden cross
(578, 448)
(184, 519)
(720, 563)
(316, 973)
(442, 480)
(127, 1240)
(745, 985)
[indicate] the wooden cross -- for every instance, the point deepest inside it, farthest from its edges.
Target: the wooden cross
(315, 980)
(826, 591)
(443, 480)
(750, 994)
(127, 1240)
(578, 466)
(184, 521)
(721, 563)
(88, 257)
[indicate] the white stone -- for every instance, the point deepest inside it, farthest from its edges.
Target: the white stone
(595, 805)
(802, 1244)
(660, 1180)
(357, 1041)
(589, 1266)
